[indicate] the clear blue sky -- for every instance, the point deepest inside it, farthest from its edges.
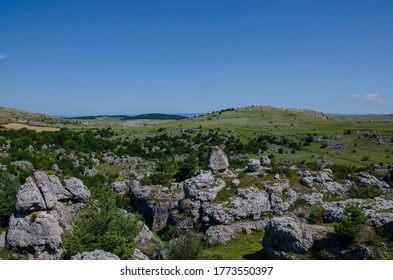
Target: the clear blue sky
(137, 56)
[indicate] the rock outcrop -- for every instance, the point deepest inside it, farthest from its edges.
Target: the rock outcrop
(217, 160)
(365, 179)
(204, 187)
(253, 165)
(95, 255)
(223, 233)
(37, 234)
(249, 203)
(23, 164)
(44, 206)
(155, 202)
(120, 188)
(285, 234)
(281, 196)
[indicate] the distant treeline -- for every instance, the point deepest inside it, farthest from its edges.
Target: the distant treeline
(154, 116)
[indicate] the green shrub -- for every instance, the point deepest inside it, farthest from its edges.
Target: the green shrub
(364, 192)
(186, 168)
(316, 215)
(164, 172)
(365, 158)
(341, 172)
(351, 225)
(101, 225)
(188, 247)
(9, 186)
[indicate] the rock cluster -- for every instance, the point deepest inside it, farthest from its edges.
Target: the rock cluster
(95, 255)
(43, 208)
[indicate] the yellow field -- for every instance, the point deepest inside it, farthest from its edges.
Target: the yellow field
(35, 128)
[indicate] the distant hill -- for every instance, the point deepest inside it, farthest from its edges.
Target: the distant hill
(257, 119)
(10, 115)
(152, 116)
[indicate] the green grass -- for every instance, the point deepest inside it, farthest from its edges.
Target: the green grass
(237, 248)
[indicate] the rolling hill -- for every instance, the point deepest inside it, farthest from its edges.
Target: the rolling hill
(151, 116)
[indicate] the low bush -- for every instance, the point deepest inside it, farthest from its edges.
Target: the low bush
(316, 215)
(364, 192)
(349, 228)
(101, 225)
(187, 247)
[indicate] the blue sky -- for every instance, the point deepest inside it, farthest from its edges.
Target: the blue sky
(137, 56)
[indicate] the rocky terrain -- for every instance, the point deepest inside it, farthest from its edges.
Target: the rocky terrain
(200, 191)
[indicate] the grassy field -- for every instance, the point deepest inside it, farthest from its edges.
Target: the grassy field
(242, 246)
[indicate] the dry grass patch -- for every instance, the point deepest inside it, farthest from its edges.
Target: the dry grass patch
(17, 126)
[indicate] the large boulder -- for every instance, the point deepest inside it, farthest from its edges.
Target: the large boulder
(204, 187)
(29, 198)
(95, 255)
(265, 161)
(217, 160)
(155, 202)
(77, 189)
(253, 165)
(250, 203)
(281, 196)
(307, 179)
(37, 235)
(51, 188)
(285, 234)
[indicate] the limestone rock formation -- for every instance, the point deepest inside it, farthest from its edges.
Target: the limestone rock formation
(37, 234)
(155, 202)
(365, 179)
(217, 160)
(223, 233)
(43, 206)
(203, 187)
(253, 165)
(120, 187)
(29, 198)
(95, 255)
(281, 196)
(77, 189)
(265, 161)
(249, 203)
(23, 164)
(285, 234)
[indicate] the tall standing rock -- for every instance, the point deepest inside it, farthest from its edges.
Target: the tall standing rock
(217, 160)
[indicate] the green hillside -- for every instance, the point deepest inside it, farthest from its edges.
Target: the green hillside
(275, 120)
